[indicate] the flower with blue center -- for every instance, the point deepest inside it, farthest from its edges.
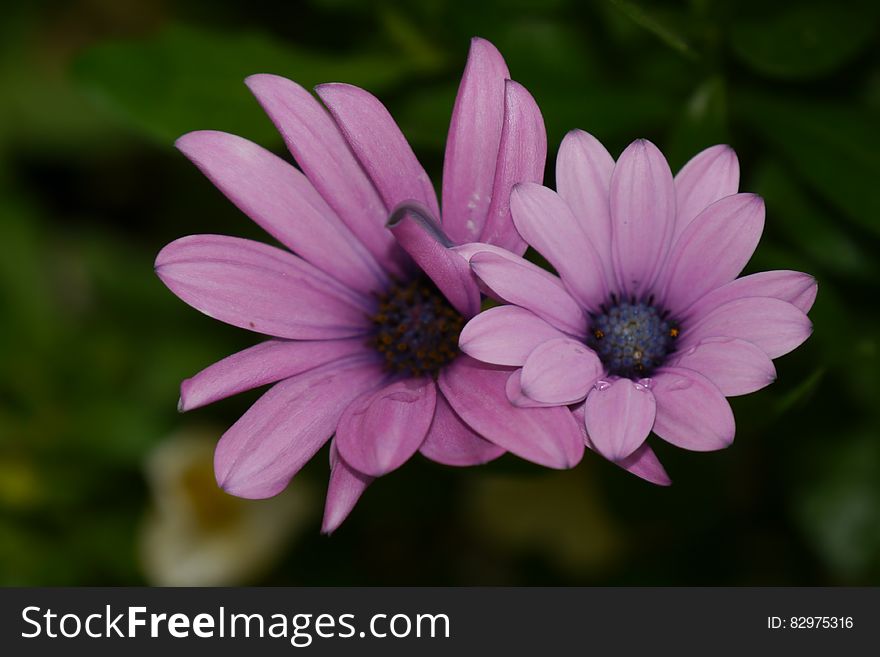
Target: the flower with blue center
(646, 327)
(365, 304)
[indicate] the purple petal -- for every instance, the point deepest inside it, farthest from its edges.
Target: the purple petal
(476, 392)
(583, 178)
(691, 411)
(709, 176)
(314, 139)
(521, 158)
(560, 371)
(343, 492)
(794, 287)
(285, 204)
(713, 249)
(522, 283)
(643, 462)
(412, 227)
(737, 367)
(262, 364)
(505, 335)
(381, 430)
(452, 442)
(546, 222)
(379, 145)
(642, 203)
(777, 327)
(259, 454)
(514, 392)
(473, 141)
(618, 417)
(260, 288)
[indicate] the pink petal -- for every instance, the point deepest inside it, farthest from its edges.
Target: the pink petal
(476, 392)
(285, 204)
(452, 442)
(546, 222)
(583, 178)
(472, 143)
(777, 327)
(505, 335)
(521, 158)
(709, 176)
(259, 454)
(619, 417)
(737, 367)
(381, 430)
(259, 365)
(691, 411)
(449, 270)
(643, 463)
(642, 203)
(261, 288)
(522, 283)
(379, 145)
(314, 139)
(560, 371)
(713, 249)
(514, 392)
(343, 492)
(792, 286)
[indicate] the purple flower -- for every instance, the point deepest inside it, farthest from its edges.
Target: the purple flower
(364, 318)
(647, 327)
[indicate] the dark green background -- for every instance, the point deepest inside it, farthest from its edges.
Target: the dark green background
(93, 347)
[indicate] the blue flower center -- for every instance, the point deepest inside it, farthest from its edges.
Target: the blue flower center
(631, 338)
(416, 329)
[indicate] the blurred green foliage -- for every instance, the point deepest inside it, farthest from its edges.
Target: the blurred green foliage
(92, 347)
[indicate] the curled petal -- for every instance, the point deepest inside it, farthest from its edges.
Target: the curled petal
(381, 430)
(420, 236)
(505, 335)
(560, 371)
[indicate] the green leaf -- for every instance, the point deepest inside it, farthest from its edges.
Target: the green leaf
(187, 79)
(803, 41)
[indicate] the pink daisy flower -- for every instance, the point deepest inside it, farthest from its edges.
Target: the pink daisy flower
(646, 327)
(364, 320)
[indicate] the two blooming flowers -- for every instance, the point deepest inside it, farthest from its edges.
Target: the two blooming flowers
(377, 339)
